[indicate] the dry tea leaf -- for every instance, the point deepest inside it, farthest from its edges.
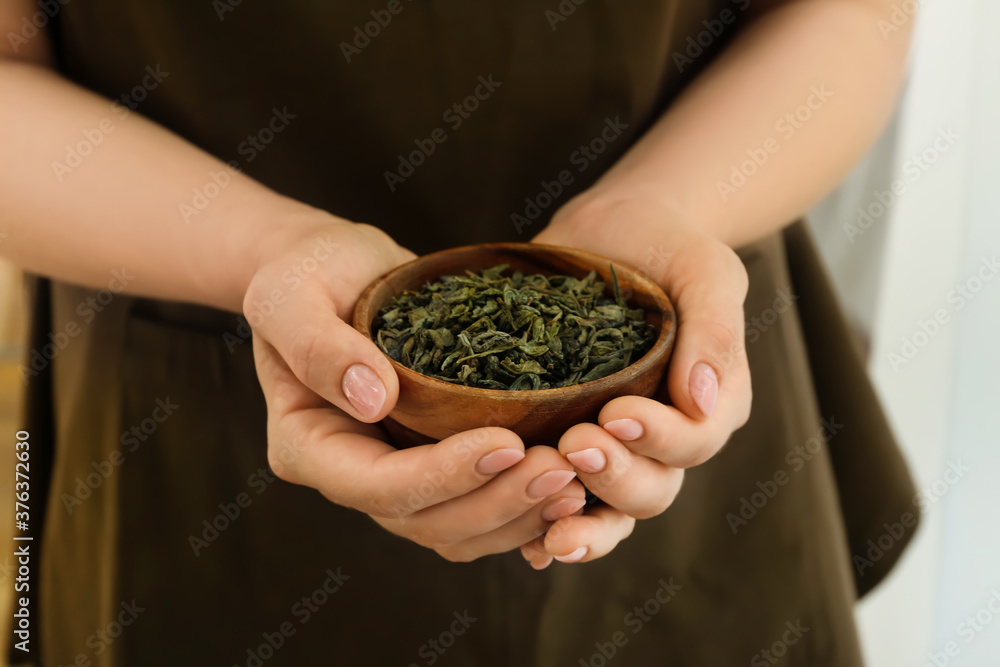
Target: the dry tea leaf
(501, 330)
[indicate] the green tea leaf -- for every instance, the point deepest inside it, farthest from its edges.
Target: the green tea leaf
(502, 330)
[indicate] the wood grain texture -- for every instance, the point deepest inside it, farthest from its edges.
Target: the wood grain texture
(429, 410)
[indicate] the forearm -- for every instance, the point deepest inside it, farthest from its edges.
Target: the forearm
(122, 205)
(740, 106)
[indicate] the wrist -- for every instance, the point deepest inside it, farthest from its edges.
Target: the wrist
(649, 209)
(604, 217)
(262, 236)
(310, 246)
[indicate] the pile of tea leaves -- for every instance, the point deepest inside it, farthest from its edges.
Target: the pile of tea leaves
(504, 330)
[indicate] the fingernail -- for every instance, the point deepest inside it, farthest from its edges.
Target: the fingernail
(588, 460)
(562, 508)
(548, 483)
(364, 390)
(573, 557)
(542, 563)
(625, 430)
(704, 387)
(498, 460)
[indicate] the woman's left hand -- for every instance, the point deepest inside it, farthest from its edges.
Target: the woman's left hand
(634, 460)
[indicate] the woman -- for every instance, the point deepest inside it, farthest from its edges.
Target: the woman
(182, 452)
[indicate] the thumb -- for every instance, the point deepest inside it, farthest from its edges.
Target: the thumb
(708, 284)
(330, 356)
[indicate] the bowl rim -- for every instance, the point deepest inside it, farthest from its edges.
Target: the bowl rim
(663, 343)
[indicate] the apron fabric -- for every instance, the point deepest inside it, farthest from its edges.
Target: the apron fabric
(188, 551)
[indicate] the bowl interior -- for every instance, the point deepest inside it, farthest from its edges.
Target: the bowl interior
(530, 258)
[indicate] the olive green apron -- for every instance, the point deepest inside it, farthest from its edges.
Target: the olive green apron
(188, 551)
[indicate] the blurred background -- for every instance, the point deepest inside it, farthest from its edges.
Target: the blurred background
(918, 259)
(912, 239)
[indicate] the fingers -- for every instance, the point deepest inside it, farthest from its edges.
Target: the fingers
(569, 500)
(331, 357)
(580, 539)
(709, 377)
(707, 283)
(662, 432)
(314, 444)
(534, 552)
(299, 302)
(632, 483)
(542, 473)
(358, 471)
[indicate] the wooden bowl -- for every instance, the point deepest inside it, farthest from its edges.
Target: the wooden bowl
(429, 410)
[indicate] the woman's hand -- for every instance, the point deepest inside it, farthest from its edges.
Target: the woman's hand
(634, 460)
(326, 385)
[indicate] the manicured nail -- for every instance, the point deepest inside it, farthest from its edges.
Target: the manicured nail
(541, 564)
(364, 390)
(498, 460)
(549, 482)
(704, 387)
(589, 460)
(562, 508)
(625, 430)
(573, 557)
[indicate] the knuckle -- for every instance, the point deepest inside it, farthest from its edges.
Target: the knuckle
(574, 490)
(429, 535)
(280, 471)
(532, 549)
(736, 271)
(387, 507)
(546, 458)
(629, 527)
(696, 453)
(656, 499)
(278, 462)
(379, 254)
(424, 536)
(564, 538)
(470, 445)
(615, 478)
(505, 511)
(285, 448)
(656, 506)
(252, 295)
(371, 235)
(727, 336)
(303, 349)
(744, 414)
(726, 342)
(695, 457)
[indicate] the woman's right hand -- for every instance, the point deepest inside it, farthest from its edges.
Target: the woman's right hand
(327, 386)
